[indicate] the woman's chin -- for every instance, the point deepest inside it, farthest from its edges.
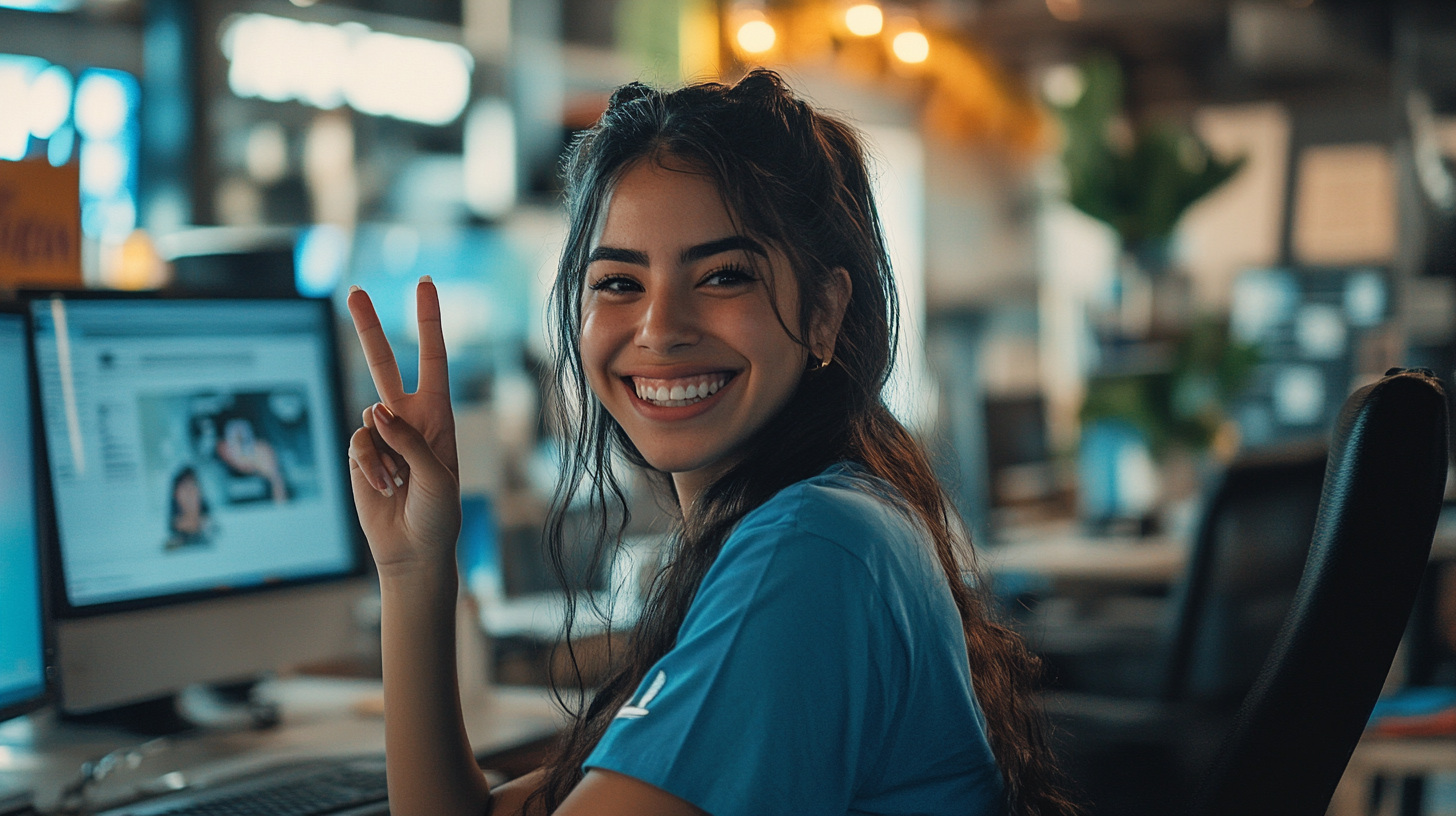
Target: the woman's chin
(698, 467)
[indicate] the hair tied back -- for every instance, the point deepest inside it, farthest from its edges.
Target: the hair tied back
(629, 93)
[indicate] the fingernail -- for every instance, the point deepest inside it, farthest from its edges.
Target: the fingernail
(354, 288)
(383, 414)
(388, 490)
(393, 469)
(426, 279)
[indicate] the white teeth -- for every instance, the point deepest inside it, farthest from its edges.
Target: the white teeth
(677, 396)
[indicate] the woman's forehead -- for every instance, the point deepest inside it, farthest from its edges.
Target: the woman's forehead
(662, 203)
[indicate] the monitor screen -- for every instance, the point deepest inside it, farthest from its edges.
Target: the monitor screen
(22, 641)
(194, 446)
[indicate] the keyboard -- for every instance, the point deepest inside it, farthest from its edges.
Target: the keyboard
(346, 787)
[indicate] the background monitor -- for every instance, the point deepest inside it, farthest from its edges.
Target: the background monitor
(203, 512)
(23, 685)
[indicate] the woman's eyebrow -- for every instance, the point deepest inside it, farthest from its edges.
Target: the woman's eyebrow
(729, 244)
(637, 257)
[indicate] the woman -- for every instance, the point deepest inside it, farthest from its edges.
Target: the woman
(190, 523)
(813, 645)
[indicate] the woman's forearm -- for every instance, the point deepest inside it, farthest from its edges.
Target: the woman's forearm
(431, 767)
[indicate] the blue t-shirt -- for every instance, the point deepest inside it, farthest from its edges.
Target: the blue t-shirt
(821, 669)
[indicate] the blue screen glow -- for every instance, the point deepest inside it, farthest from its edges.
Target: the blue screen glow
(22, 669)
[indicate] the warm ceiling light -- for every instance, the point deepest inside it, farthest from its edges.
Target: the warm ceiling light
(1065, 10)
(864, 20)
(911, 46)
(756, 36)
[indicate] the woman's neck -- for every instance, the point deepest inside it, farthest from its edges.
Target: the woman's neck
(691, 484)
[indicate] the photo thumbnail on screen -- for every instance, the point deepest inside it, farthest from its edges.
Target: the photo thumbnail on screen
(212, 453)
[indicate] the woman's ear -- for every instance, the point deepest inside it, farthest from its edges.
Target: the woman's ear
(825, 329)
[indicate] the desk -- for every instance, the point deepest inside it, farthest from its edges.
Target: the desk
(319, 719)
(1392, 757)
(1063, 554)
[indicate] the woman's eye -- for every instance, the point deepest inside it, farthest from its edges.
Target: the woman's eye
(615, 283)
(730, 276)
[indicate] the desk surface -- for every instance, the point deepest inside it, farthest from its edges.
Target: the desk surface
(1063, 553)
(319, 719)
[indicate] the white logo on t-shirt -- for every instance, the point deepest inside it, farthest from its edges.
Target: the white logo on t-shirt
(632, 712)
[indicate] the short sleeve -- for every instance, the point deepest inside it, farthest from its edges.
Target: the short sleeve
(775, 697)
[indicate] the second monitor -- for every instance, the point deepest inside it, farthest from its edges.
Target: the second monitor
(203, 512)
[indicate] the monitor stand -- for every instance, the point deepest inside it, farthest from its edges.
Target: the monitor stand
(226, 704)
(153, 718)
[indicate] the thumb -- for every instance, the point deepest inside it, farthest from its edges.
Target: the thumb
(402, 437)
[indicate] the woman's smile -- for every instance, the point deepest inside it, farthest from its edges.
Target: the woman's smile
(678, 393)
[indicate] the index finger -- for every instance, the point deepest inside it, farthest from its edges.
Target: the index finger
(377, 353)
(434, 369)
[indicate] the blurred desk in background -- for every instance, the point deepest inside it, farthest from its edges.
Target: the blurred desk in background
(321, 717)
(1065, 556)
(1393, 758)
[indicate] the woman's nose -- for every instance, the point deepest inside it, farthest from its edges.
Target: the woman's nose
(668, 323)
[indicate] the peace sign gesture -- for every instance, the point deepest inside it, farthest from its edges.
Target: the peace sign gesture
(403, 463)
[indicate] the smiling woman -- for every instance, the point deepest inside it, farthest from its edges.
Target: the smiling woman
(816, 642)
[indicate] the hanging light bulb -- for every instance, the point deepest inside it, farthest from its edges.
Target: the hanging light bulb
(756, 35)
(911, 46)
(864, 19)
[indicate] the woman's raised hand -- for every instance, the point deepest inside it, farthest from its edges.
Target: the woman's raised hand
(403, 462)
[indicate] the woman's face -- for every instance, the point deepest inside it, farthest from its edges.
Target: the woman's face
(189, 505)
(680, 333)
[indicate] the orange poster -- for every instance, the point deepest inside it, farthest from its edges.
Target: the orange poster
(40, 225)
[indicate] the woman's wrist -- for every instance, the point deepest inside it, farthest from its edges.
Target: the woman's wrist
(432, 576)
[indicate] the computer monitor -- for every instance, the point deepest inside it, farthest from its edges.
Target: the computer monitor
(23, 654)
(204, 522)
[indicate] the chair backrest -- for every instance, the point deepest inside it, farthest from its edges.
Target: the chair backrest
(1382, 496)
(1245, 563)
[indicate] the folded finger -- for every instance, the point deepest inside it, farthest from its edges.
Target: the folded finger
(404, 439)
(377, 353)
(365, 456)
(393, 463)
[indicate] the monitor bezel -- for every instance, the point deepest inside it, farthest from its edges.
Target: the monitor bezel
(358, 546)
(44, 525)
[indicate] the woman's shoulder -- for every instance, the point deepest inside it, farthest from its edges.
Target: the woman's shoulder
(844, 505)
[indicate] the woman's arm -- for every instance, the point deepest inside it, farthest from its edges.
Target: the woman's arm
(405, 475)
(431, 765)
(404, 472)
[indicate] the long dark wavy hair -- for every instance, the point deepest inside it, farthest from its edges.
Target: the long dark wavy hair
(796, 179)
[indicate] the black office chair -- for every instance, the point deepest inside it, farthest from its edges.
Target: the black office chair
(1382, 496)
(1305, 707)
(1245, 563)
(1142, 752)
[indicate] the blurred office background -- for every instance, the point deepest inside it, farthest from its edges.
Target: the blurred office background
(1138, 242)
